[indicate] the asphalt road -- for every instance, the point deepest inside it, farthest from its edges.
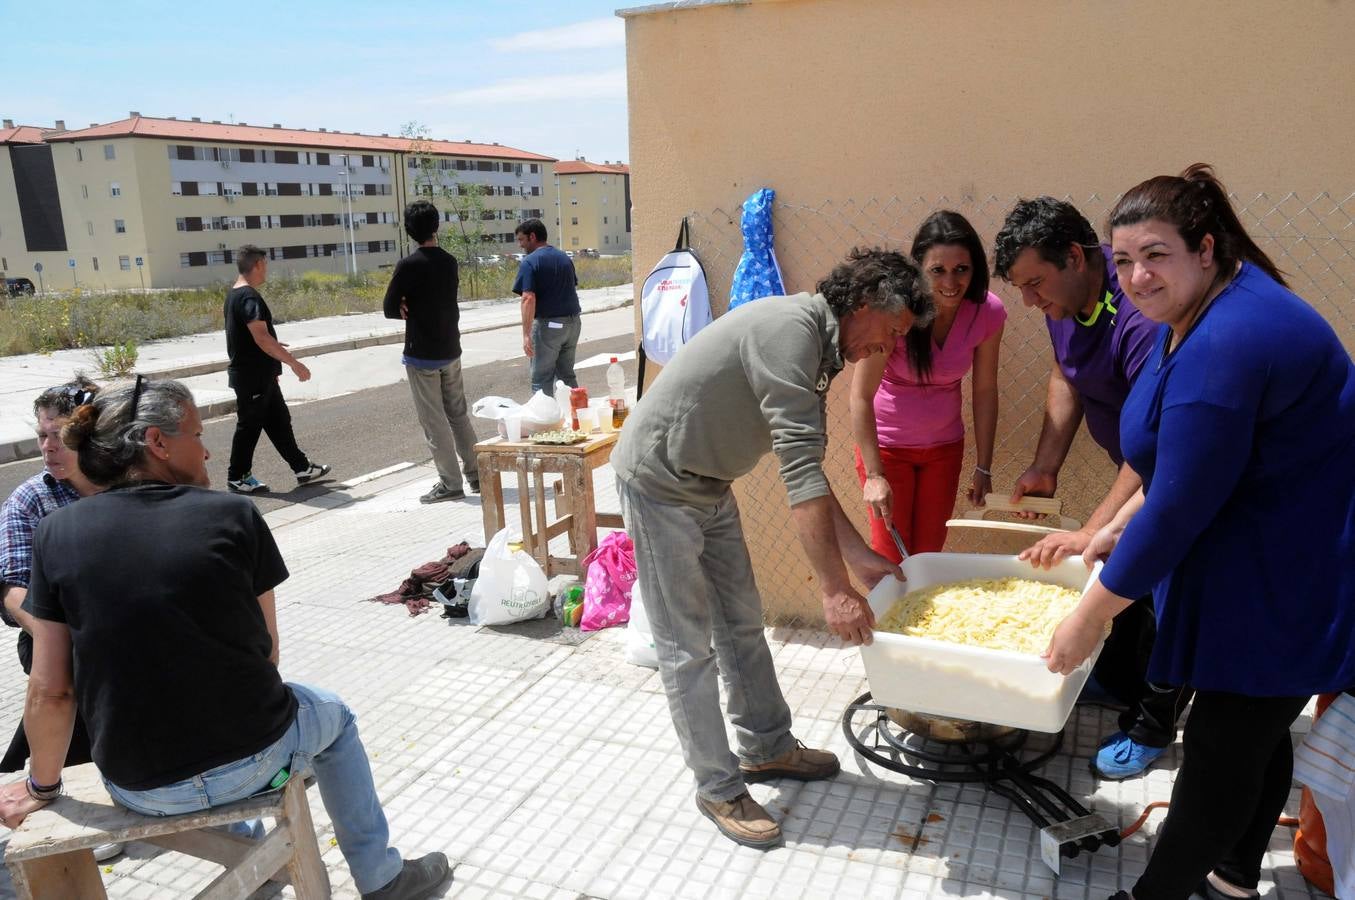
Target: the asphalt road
(359, 432)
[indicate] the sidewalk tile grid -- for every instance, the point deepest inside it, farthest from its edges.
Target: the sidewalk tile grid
(551, 770)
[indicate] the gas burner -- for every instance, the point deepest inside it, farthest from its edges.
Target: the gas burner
(1002, 759)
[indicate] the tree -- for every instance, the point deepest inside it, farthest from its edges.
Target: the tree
(464, 237)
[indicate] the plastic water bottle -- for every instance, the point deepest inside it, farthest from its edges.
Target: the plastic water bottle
(616, 392)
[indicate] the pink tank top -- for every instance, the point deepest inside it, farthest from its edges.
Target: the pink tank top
(909, 413)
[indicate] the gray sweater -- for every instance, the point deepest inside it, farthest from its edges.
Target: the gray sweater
(754, 380)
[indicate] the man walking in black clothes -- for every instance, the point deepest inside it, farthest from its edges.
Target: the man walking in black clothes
(422, 291)
(256, 359)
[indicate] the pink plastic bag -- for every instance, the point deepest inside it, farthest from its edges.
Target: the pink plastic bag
(611, 575)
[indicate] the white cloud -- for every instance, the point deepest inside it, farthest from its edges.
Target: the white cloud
(589, 35)
(609, 84)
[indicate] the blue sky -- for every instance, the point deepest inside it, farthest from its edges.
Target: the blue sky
(546, 77)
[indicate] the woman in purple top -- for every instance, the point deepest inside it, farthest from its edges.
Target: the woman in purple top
(905, 406)
(1242, 426)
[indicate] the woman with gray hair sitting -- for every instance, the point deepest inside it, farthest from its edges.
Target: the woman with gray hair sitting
(161, 593)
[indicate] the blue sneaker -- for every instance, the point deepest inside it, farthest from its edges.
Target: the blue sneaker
(1122, 757)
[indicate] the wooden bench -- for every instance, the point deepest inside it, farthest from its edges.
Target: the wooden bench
(50, 856)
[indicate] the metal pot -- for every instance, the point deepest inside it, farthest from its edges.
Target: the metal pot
(948, 731)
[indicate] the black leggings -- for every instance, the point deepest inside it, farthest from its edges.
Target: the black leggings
(1235, 776)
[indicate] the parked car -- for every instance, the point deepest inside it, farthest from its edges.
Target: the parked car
(518, 257)
(569, 253)
(489, 259)
(18, 286)
(588, 253)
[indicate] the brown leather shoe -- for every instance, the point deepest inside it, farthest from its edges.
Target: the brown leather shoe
(742, 820)
(800, 763)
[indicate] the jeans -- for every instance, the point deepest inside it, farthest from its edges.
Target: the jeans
(924, 481)
(440, 404)
(261, 409)
(553, 344)
(323, 739)
(696, 581)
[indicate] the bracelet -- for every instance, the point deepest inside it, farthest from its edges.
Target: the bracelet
(41, 792)
(982, 471)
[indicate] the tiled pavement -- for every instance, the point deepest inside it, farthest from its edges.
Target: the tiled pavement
(546, 766)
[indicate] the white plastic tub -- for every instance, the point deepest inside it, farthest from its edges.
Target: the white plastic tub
(963, 682)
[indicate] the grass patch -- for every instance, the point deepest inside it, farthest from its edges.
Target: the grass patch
(79, 319)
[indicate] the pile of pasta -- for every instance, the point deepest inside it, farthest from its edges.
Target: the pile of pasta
(1017, 614)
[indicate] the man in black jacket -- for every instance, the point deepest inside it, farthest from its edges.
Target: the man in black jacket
(423, 293)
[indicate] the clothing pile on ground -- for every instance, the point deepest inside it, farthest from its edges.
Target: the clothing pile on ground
(415, 593)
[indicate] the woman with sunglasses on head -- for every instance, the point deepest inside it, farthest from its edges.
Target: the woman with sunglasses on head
(1242, 427)
(905, 405)
(160, 593)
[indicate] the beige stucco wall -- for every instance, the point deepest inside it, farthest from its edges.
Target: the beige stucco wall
(864, 115)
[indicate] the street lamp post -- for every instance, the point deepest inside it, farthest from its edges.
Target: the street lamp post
(348, 195)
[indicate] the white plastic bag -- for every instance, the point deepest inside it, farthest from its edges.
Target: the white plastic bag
(639, 638)
(511, 586)
(541, 413)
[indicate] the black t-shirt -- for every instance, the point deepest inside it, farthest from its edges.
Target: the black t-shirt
(249, 365)
(427, 281)
(159, 586)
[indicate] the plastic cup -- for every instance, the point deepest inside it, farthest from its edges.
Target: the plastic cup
(588, 419)
(603, 410)
(513, 428)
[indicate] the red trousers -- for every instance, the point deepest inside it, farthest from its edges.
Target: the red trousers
(924, 481)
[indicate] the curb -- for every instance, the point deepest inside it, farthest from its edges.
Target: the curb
(27, 448)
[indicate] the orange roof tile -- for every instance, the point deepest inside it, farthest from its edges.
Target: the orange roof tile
(584, 167)
(24, 134)
(179, 129)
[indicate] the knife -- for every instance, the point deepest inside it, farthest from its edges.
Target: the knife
(898, 541)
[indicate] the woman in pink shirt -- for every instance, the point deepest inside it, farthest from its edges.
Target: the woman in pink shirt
(905, 406)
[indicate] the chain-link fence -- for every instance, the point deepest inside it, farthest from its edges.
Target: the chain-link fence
(1312, 239)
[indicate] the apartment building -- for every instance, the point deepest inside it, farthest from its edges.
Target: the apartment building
(592, 206)
(164, 202)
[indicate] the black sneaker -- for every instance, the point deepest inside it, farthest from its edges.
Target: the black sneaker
(441, 492)
(247, 485)
(417, 880)
(307, 475)
(474, 484)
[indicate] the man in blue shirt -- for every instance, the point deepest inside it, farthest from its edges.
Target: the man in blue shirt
(1048, 250)
(550, 307)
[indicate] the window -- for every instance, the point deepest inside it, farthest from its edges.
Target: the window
(604, 179)
(536, 190)
(119, 226)
(606, 239)
(84, 192)
(90, 226)
(573, 201)
(574, 242)
(604, 220)
(287, 157)
(79, 155)
(109, 153)
(573, 181)
(573, 220)
(96, 263)
(114, 189)
(535, 168)
(125, 263)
